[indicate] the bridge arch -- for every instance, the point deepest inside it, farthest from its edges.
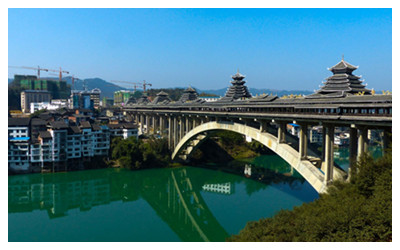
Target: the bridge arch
(313, 175)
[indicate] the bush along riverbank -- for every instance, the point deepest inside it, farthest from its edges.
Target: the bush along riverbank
(132, 153)
(359, 210)
(225, 146)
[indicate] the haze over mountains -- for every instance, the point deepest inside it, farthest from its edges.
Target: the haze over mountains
(108, 88)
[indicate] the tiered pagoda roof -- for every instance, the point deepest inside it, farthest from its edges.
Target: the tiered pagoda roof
(143, 99)
(189, 95)
(237, 90)
(162, 98)
(342, 83)
(131, 101)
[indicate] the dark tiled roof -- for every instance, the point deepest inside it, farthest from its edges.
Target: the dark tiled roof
(129, 125)
(75, 129)
(95, 127)
(85, 124)
(58, 125)
(189, 94)
(45, 135)
(18, 121)
(38, 122)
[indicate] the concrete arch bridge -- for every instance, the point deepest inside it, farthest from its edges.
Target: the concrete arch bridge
(306, 166)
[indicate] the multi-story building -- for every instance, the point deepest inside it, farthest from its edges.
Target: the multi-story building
(101, 139)
(121, 97)
(35, 144)
(59, 131)
(87, 139)
(74, 142)
(52, 105)
(95, 97)
(316, 134)
(57, 89)
(32, 96)
(124, 130)
(86, 99)
(18, 144)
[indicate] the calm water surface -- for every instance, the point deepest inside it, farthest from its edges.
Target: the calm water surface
(179, 204)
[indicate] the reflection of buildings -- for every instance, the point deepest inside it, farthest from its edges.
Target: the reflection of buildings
(174, 197)
(58, 197)
(225, 188)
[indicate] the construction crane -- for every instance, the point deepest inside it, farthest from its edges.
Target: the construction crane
(60, 72)
(73, 78)
(146, 84)
(135, 85)
(38, 69)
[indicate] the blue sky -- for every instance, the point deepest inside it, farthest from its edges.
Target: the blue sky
(283, 49)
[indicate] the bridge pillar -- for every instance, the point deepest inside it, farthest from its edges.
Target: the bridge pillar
(175, 131)
(181, 127)
(362, 141)
(153, 124)
(147, 124)
(142, 123)
(186, 125)
(170, 133)
(281, 132)
(352, 149)
(303, 141)
(328, 166)
(263, 126)
(194, 120)
(161, 124)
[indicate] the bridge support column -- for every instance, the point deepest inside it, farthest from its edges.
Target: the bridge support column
(142, 123)
(362, 141)
(352, 149)
(162, 124)
(263, 126)
(281, 132)
(186, 125)
(170, 133)
(194, 120)
(328, 163)
(303, 141)
(181, 127)
(153, 124)
(175, 131)
(147, 124)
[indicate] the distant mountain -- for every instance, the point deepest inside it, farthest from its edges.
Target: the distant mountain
(107, 88)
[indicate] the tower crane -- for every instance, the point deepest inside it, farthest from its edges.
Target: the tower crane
(60, 72)
(38, 69)
(135, 85)
(146, 84)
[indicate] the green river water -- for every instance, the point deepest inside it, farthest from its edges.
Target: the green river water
(171, 204)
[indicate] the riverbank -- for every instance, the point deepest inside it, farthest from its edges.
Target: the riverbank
(360, 210)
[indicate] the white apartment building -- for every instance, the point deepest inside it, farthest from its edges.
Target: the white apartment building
(18, 144)
(124, 130)
(101, 139)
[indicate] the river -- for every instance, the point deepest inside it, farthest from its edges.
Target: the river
(207, 203)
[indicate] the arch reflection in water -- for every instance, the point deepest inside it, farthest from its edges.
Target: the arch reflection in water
(175, 195)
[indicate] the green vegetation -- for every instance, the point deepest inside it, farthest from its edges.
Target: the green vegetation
(359, 210)
(37, 113)
(132, 153)
(207, 94)
(232, 144)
